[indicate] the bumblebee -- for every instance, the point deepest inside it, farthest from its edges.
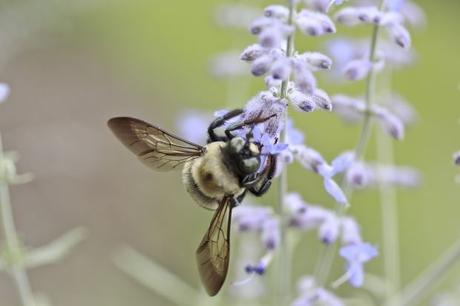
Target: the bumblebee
(217, 176)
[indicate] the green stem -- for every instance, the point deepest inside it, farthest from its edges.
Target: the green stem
(284, 264)
(416, 290)
(389, 213)
(13, 245)
(329, 252)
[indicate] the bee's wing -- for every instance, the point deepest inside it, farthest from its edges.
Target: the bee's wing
(213, 253)
(155, 147)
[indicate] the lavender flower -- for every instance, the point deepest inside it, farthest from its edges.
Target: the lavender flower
(365, 175)
(356, 255)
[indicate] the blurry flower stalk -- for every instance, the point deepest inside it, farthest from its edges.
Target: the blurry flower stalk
(15, 258)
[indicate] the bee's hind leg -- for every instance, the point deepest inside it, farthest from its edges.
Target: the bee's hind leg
(239, 199)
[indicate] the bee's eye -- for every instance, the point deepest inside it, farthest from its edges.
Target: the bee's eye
(249, 165)
(236, 144)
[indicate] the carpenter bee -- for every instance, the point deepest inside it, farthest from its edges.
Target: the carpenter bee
(217, 176)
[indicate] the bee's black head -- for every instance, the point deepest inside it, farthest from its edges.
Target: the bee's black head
(245, 153)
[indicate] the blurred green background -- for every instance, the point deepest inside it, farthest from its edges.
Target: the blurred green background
(74, 64)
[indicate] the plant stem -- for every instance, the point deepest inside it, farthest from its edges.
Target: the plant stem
(417, 289)
(389, 213)
(13, 245)
(329, 252)
(284, 264)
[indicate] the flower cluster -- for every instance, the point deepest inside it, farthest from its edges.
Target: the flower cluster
(260, 220)
(331, 227)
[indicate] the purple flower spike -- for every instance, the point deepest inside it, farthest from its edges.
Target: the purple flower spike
(456, 158)
(356, 255)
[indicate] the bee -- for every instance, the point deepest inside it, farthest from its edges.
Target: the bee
(217, 176)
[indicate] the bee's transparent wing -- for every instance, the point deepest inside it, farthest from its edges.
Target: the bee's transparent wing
(213, 253)
(155, 147)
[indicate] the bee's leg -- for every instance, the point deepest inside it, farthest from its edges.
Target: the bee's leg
(262, 190)
(220, 121)
(239, 125)
(239, 199)
(266, 180)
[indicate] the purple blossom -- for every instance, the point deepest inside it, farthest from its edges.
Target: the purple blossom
(335, 191)
(314, 23)
(357, 69)
(362, 175)
(358, 175)
(356, 255)
(266, 105)
(390, 123)
(329, 231)
(251, 218)
(400, 35)
(253, 52)
(271, 234)
(316, 60)
(261, 266)
(351, 233)
(276, 11)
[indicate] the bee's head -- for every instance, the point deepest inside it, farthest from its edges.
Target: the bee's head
(246, 153)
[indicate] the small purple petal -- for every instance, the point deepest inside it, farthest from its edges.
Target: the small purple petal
(342, 162)
(400, 35)
(334, 190)
(252, 53)
(276, 11)
(329, 230)
(351, 233)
